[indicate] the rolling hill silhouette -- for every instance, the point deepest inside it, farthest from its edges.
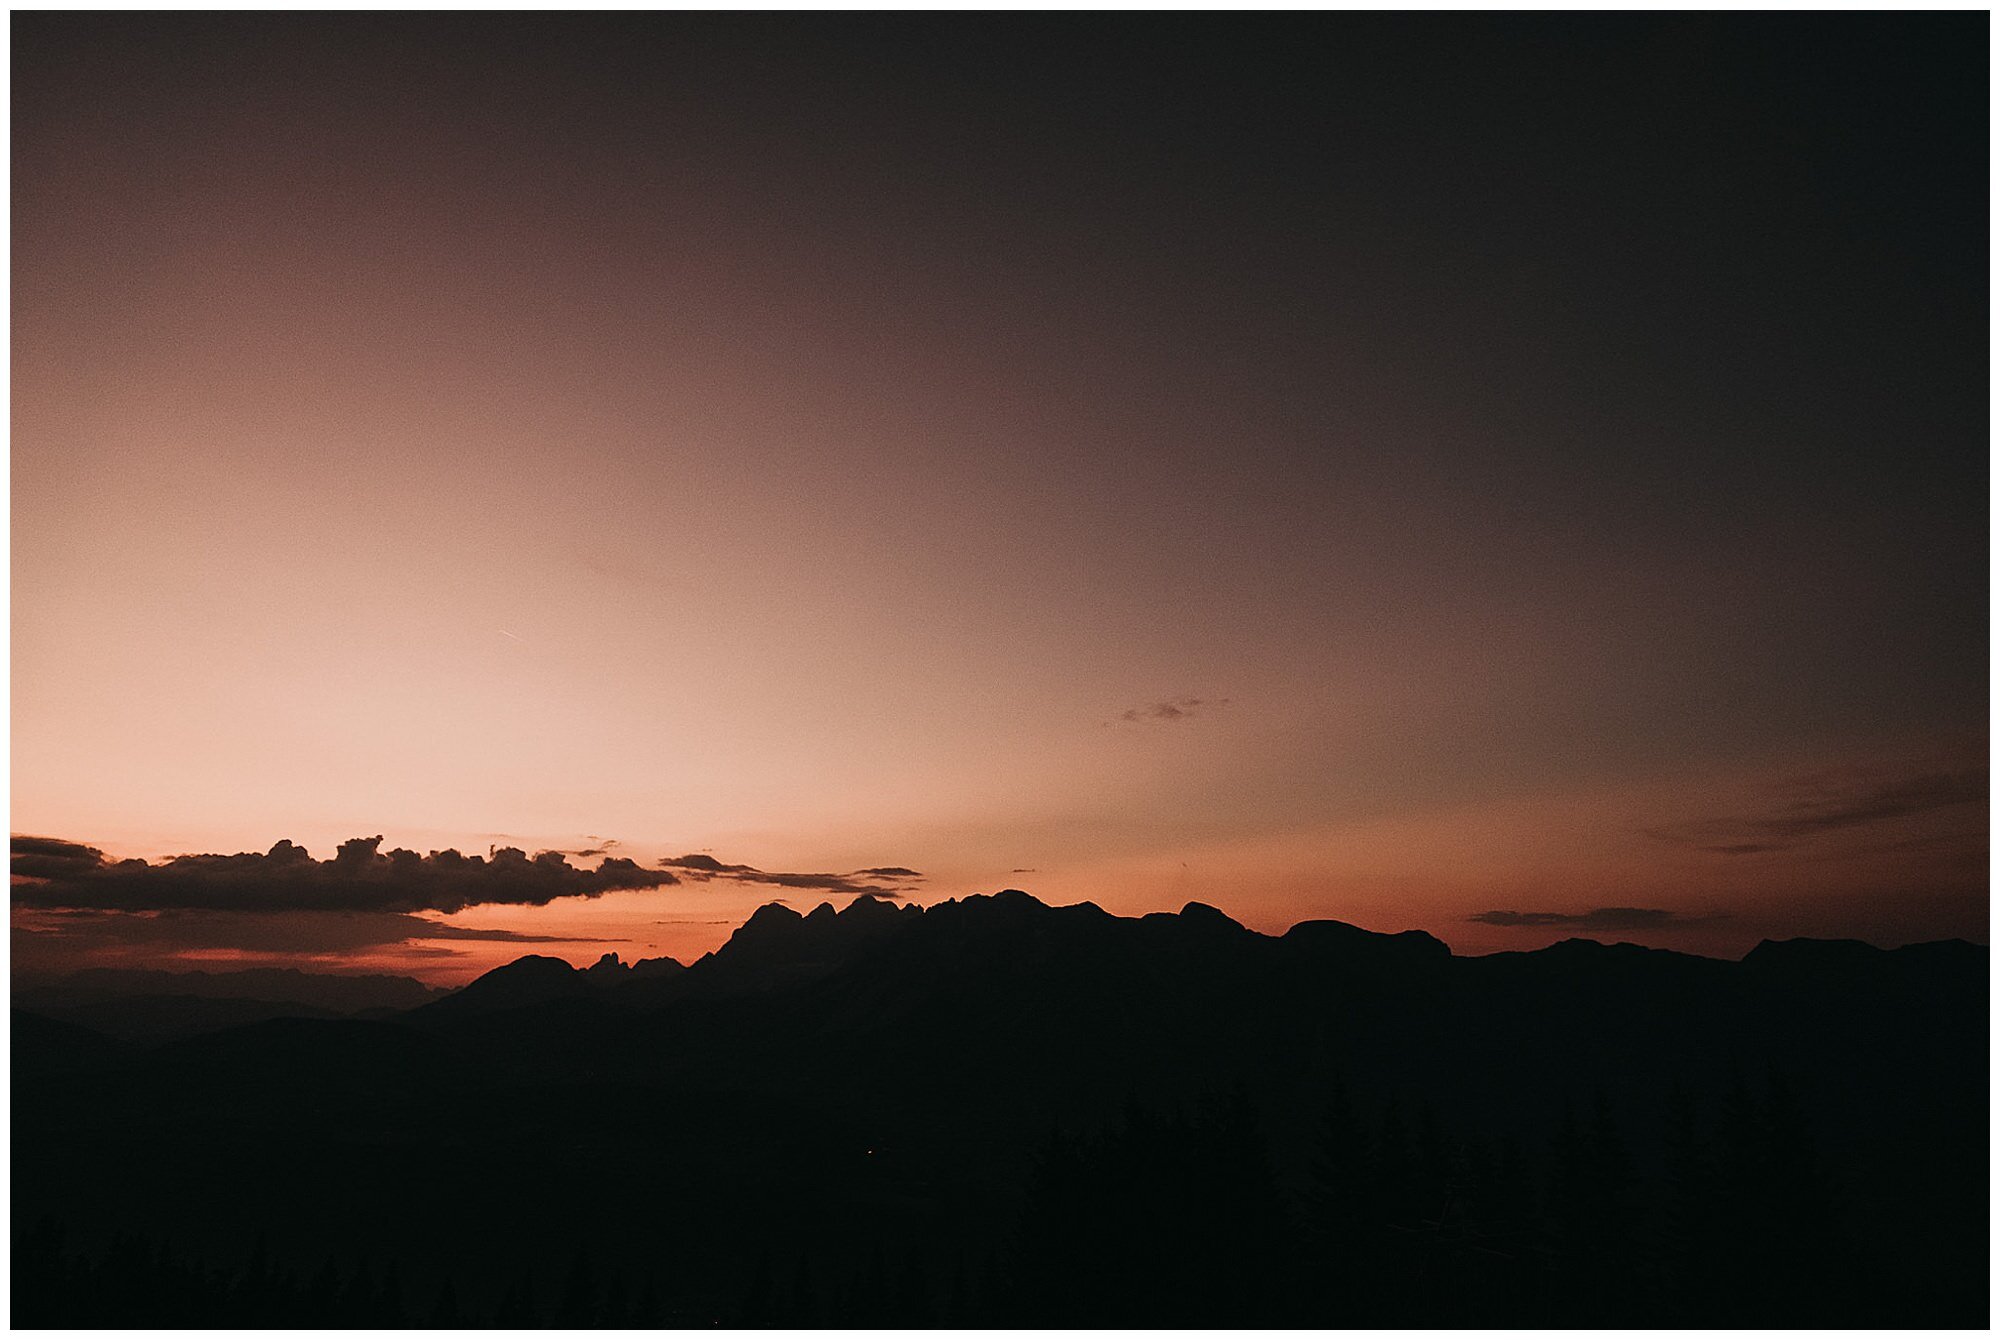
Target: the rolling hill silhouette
(891, 1115)
(155, 1005)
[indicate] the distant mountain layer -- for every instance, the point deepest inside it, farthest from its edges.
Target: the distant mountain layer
(989, 940)
(149, 1004)
(341, 993)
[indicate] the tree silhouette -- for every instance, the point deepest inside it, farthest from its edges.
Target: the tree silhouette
(1160, 1221)
(517, 1306)
(577, 1306)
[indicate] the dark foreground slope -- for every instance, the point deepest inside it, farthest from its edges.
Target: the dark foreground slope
(998, 1112)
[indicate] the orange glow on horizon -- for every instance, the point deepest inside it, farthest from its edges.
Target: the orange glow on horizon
(1561, 863)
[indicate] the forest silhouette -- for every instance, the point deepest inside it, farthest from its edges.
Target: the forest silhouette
(997, 1113)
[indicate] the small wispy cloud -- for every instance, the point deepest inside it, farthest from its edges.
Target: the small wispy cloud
(882, 881)
(1171, 709)
(1825, 803)
(1597, 919)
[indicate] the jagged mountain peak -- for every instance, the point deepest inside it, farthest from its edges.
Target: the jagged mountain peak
(771, 915)
(868, 905)
(1330, 934)
(528, 980)
(529, 966)
(1203, 915)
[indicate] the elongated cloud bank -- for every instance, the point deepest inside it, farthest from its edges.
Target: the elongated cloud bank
(49, 872)
(1597, 919)
(78, 936)
(1827, 805)
(881, 881)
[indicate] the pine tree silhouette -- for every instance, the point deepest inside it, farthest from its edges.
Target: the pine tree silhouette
(754, 1309)
(1687, 1217)
(323, 1295)
(518, 1310)
(647, 1311)
(388, 1311)
(802, 1309)
(444, 1311)
(576, 1307)
(1342, 1218)
(613, 1312)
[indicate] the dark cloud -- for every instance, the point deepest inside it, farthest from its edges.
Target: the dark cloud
(1597, 919)
(1965, 843)
(1173, 709)
(703, 864)
(1022, 870)
(826, 884)
(73, 905)
(423, 928)
(292, 932)
(1829, 802)
(1913, 795)
(882, 881)
(52, 858)
(359, 878)
(27, 845)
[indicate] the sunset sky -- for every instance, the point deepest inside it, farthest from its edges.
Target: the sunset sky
(1516, 478)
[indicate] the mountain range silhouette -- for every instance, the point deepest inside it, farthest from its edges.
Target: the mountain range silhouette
(889, 1112)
